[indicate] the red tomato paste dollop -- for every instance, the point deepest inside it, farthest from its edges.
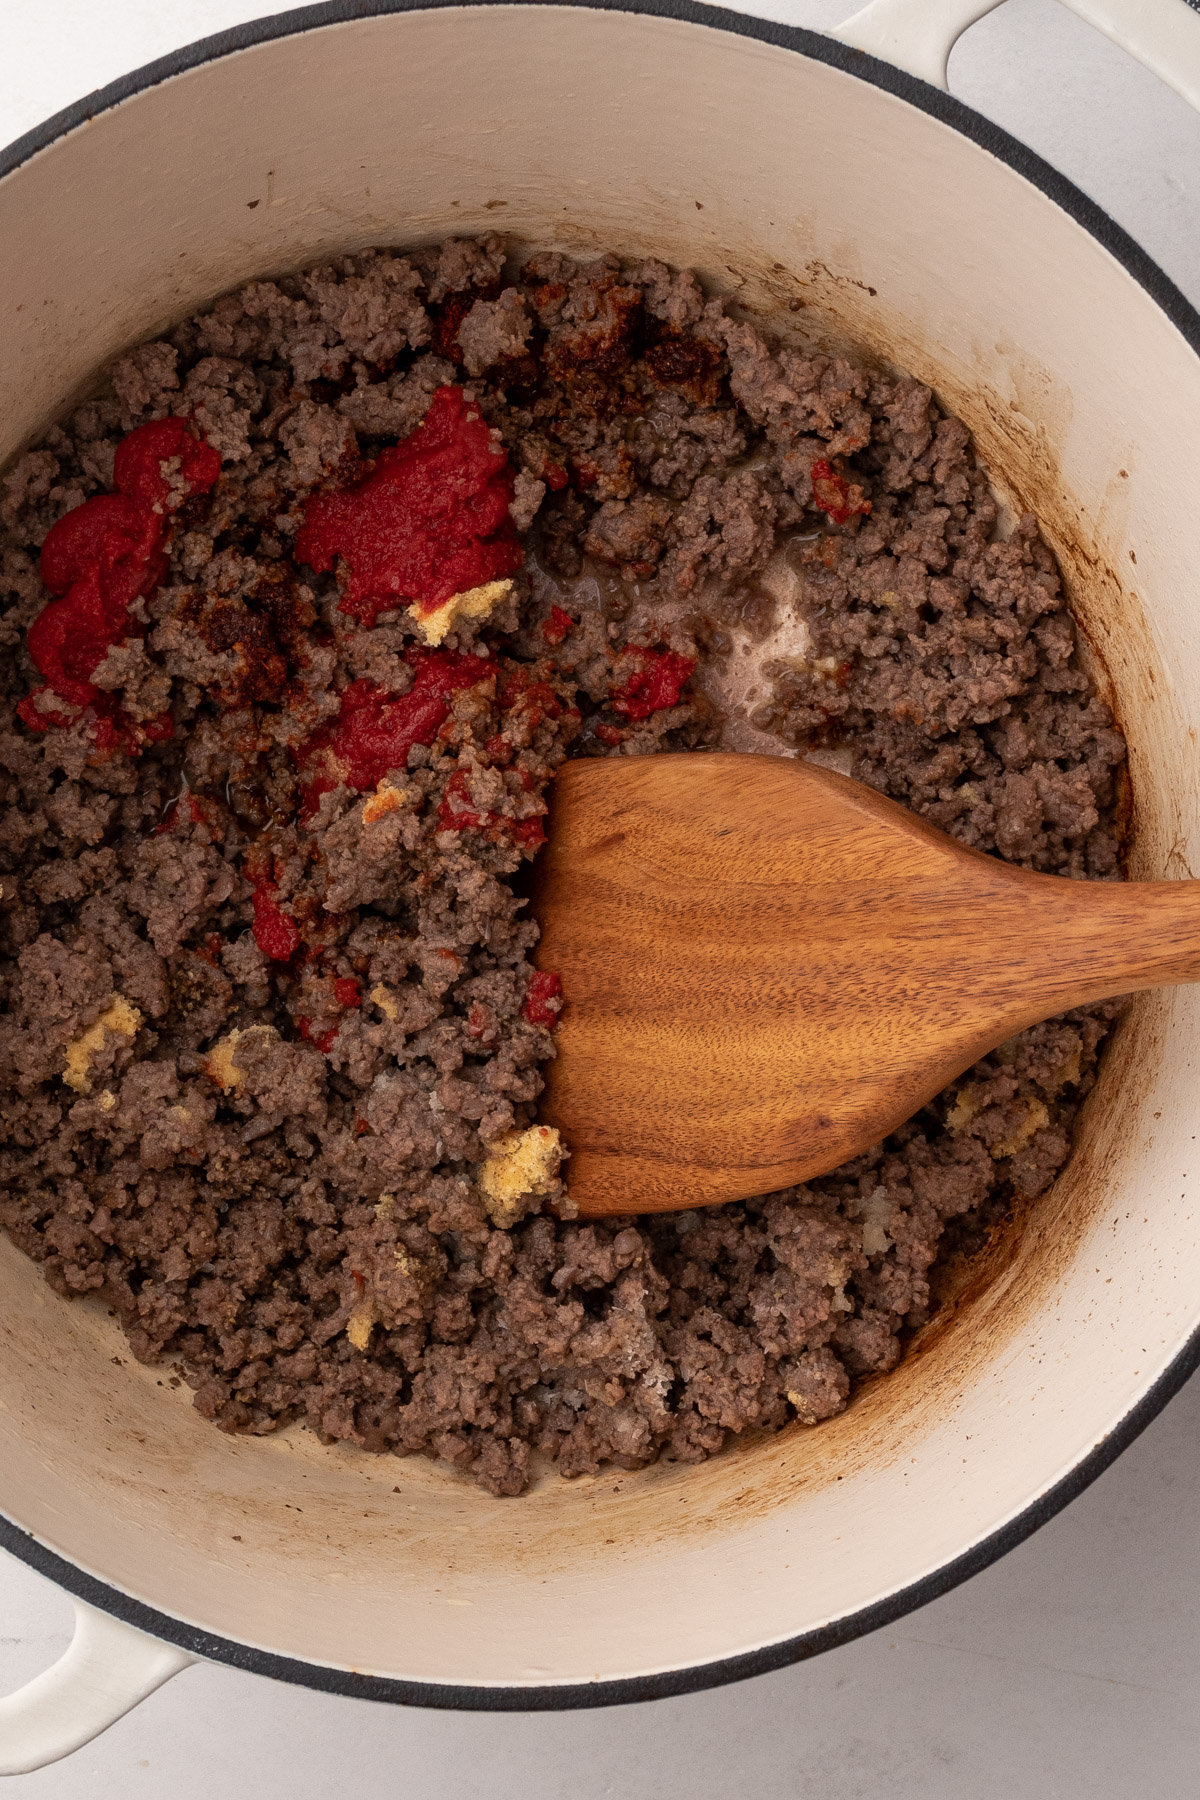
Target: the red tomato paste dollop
(100, 558)
(430, 520)
(374, 730)
(275, 931)
(544, 986)
(834, 495)
(655, 680)
(557, 625)
(323, 1041)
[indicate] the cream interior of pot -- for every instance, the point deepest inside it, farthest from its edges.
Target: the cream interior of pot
(781, 178)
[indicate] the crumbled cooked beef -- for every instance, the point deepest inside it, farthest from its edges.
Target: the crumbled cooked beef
(271, 1041)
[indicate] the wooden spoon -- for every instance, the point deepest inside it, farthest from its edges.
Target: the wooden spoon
(768, 967)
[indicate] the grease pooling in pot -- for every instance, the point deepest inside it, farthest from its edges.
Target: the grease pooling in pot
(271, 1041)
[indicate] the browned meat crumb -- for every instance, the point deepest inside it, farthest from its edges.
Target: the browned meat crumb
(275, 1172)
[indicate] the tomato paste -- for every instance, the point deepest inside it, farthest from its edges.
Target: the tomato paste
(431, 519)
(653, 680)
(101, 557)
(374, 730)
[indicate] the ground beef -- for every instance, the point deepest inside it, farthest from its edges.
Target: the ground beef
(271, 1041)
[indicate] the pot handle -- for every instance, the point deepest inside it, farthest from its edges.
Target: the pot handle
(918, 35)
(106, 1669)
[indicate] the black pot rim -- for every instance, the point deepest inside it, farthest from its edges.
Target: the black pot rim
(622, 1691)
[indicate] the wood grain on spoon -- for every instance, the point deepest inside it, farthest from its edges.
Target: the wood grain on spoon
(767, 967)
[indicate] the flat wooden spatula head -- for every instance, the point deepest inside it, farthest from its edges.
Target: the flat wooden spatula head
(767, 967)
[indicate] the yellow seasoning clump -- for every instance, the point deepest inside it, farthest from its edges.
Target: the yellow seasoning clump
(520, 1164)
(361, 1324)
(385, 1000)
(386, 799)
(472, 604)
(220, 1064)
(968, 1101)
(1035, 1120)
(118, 1018)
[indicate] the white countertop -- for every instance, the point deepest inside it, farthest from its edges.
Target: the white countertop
(1070, 1670)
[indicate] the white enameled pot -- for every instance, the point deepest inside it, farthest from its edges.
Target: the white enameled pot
(791, 167)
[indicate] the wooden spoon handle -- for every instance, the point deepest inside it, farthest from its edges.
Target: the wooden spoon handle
(1061, 943)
